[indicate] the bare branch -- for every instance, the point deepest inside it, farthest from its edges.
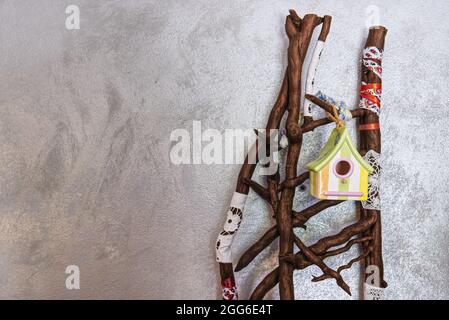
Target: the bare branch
(260, 190)
(319, 248)
(293, 183)
(329, 272)
(346, 266)
(299, 220)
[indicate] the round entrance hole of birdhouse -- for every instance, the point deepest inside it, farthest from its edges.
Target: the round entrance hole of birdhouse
(343, 168)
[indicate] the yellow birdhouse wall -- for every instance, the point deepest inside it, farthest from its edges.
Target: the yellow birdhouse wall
(343, 178)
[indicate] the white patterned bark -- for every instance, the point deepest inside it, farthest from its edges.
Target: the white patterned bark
(230, 228)
(372, 293)
(311, 76)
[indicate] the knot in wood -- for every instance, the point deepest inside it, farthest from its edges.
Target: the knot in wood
(294, 132)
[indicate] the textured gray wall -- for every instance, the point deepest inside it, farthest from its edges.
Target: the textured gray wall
(85, 120)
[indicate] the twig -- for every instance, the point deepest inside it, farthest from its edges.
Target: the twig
(294, 182)
(346, 266)
(299, 219)
(319, 248)
(347, 246)
(329, 272)
(260, 190)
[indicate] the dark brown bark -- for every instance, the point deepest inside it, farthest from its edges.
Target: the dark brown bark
(325, 28)
(371, 140)
(310, 126)
(293, 183)
(299, 33)
(346, 266)
(329, 272)
(299, 219)
(320, 248)
(260, 190)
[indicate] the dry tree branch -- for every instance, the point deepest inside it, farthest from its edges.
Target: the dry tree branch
(299, 34)
(294, 182)
(310, 126)
(272, 278)
(247, 169)
(346, 247)
(273, 186)
(310, 79)
(344, 267)
(259, 189)
(329, 272)
(319, 248)
(300, 218)
(371, 140)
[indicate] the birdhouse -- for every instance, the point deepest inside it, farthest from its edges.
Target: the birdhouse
(339, 172)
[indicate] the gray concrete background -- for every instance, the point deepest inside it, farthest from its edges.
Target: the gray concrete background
(85, 121)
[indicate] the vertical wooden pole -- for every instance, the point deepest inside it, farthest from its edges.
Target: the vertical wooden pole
(370, 139)
(299, 33)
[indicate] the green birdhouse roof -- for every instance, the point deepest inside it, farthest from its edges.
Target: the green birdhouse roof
(338, 138)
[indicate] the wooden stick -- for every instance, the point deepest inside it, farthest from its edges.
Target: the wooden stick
(247, 169)
(371, 140)
(299, 219)
(347, 246)
(310, 126)
(344, 267)
(329, 272)
(260, 190)
(320, 248)
(314, 65)
(299, 34)
(296, 181)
